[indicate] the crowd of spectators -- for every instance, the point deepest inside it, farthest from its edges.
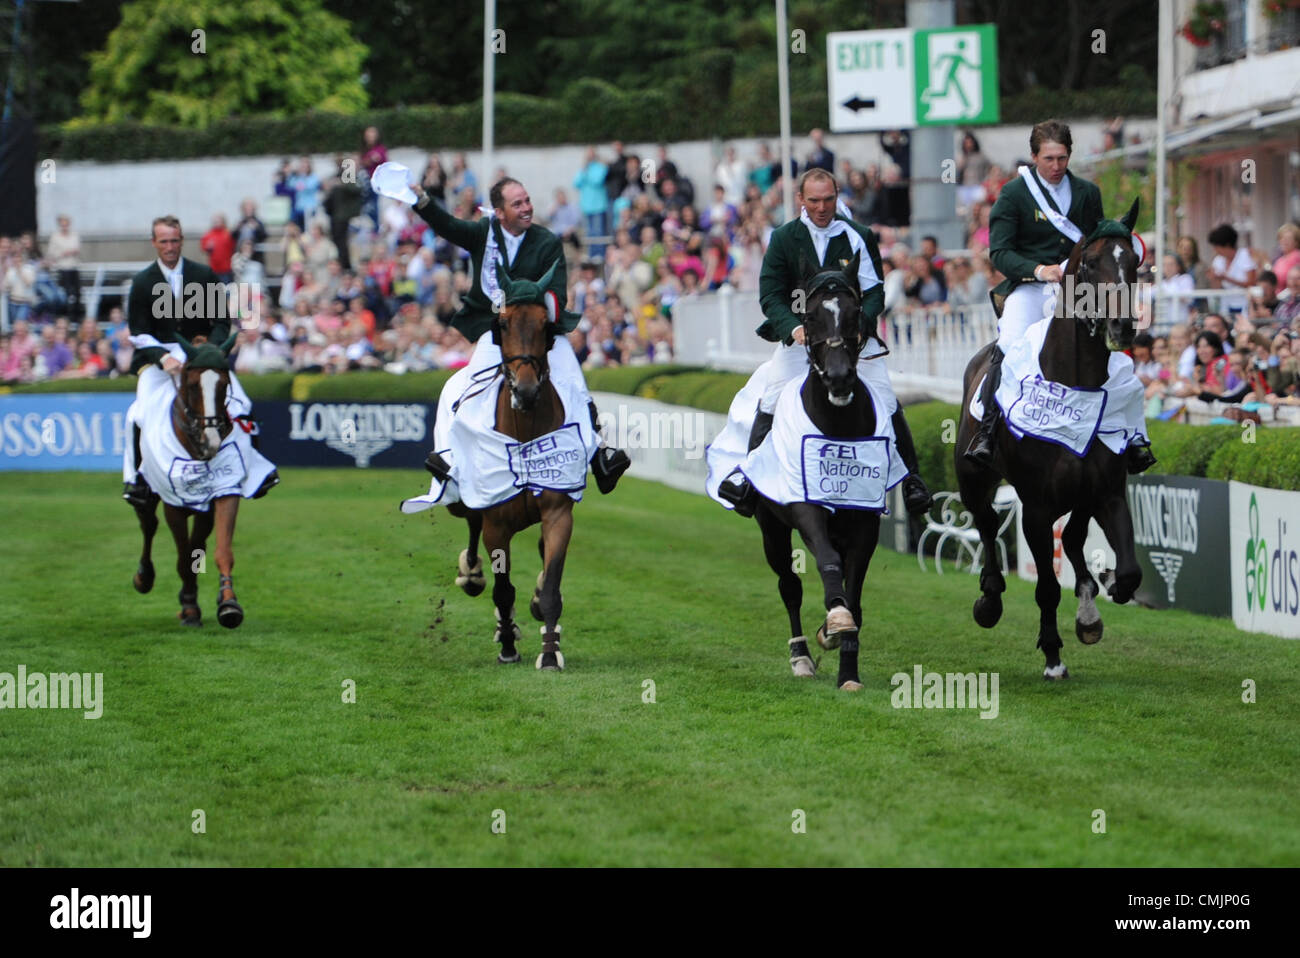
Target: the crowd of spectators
(366, 284)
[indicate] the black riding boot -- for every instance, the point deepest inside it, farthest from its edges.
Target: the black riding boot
(916, 496)
(981, 447)
(1139, 456)
(137, 492)
(608, 463)
(737, 489)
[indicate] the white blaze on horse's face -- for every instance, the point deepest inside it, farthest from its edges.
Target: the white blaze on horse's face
(832, 306)
(209, 379)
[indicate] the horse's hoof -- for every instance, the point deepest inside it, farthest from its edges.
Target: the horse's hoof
(1088, 634)
(988, 610)
(230, 614)
(470, 578)
(1054, 673)
(508, 659)
(550, 662)
(839, 623)
(143, 578)
(803, 667)
(190, 617)
(851, 685)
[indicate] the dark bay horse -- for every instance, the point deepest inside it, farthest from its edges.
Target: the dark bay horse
(842, 541)
(1050, 479)
(528, 407)
(201, 424)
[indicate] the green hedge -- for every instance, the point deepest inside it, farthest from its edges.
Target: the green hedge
(1272, 460)
(931, 423)
(259, 388)
(376, 386)
(1184, 450)
(629, 380)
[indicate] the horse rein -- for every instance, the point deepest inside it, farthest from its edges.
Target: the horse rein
(1096, 321)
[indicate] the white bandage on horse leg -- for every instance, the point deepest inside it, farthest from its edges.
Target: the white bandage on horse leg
(840, 619)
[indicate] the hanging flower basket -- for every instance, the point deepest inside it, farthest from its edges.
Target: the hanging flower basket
(1206, 22)
(1276, 8)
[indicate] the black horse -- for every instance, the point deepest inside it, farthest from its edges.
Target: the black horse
(843, 541)
(1050, 479)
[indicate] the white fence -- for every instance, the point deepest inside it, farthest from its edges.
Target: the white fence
(929, 349)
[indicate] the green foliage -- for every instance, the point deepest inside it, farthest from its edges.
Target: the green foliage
(930, 423)
(378, 387)
(1272, 460)
(1186, 450)
(628, 380)
(1120, 186)
(122, 384)
(268, 57)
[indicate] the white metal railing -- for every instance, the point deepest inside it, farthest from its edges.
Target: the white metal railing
(931, 345)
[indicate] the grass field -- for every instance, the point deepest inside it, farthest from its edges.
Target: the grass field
(250, 726)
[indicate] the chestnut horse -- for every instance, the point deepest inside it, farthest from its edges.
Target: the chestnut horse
(201, 424)
(528, 407)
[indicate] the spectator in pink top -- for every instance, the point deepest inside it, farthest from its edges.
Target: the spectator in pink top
(1288, 240)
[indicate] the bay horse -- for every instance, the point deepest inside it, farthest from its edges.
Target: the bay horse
(528, 407)
(1050, 479)
(201, 423)
(842, 541)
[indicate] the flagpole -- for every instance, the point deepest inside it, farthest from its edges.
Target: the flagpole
(489, 90)
(783, 84)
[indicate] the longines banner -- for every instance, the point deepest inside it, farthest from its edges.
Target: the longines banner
(1265, 551)
(389, 435)
(1180, 528)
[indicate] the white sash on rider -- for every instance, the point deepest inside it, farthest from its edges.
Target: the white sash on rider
(487, 271)
(821, 238)
(1062, 222)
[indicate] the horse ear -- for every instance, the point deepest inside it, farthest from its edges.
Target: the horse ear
(1131, 217)
(187, 346)
(851, 271)
(503, 278)
(229, 344)
(545, 281)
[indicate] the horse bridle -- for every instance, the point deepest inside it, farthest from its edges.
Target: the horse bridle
(193, 425)
(1096, 321)
(834, 283)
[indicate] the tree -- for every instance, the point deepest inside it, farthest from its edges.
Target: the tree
(190, 62)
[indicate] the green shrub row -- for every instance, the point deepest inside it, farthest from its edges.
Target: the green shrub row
(1215, 452)
(589, 111)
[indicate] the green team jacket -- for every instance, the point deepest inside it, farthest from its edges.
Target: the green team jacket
(1020, 236)
(782, 273)
(141, 317)
(537, 252)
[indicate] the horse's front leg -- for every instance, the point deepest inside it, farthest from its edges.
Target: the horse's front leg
(1117, 522)
(840, 630)
(864, 532)
(557, 528)
(178, 522)
(776, 548)
(497, 533)
(145, 574)
(1087, 620)
(229, 612)
(1038, 533)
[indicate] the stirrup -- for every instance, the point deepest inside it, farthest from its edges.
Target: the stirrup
(1139, 457)
(916, 495)
(740, 492)
(437, 466)
(607, 465)
(137, 493)
(270, 482)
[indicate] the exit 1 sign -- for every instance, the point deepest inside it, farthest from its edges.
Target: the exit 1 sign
(902, 79)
